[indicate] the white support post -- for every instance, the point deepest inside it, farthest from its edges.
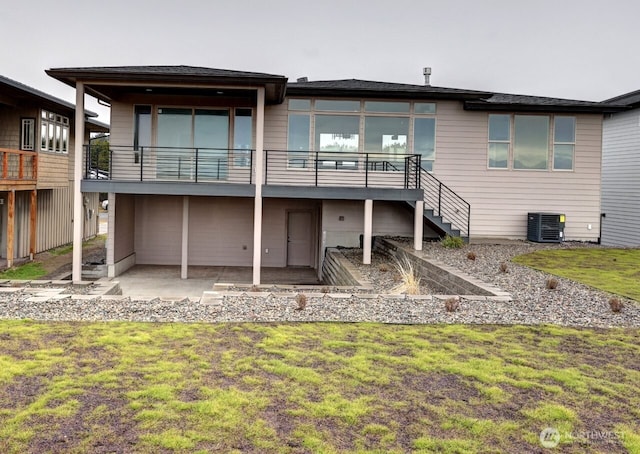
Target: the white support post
(368, 229)
(111, 234)
(77, 178)
(185, 237)
(418, 225)
(258, 159)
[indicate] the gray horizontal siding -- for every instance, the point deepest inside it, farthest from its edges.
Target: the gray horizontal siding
(621, 179)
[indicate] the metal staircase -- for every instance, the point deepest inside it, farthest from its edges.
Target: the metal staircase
(445, 211)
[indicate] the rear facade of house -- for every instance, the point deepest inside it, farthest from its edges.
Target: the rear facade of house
(621, 174)
(36, 172)
(218, 167)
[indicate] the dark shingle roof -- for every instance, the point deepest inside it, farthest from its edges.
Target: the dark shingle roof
(631, 99)
(168, 76)
(167, 70)
(505, 101)
(357, 87)
(22, 89)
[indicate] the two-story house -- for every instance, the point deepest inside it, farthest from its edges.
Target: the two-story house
(36, 172)
(219, 167)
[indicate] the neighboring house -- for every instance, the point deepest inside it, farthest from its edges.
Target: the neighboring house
(621, 173)
(36, 172)
(218, 167)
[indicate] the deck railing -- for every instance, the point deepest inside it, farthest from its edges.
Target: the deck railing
(344, 169)
(446, 203)
(18, 165)
(199, 165)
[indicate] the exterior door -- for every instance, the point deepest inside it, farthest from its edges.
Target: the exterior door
(299, 238)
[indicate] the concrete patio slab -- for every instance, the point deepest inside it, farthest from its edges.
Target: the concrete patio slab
(165, 281)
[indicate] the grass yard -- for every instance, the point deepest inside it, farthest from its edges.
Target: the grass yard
(297, 388)
(613, 270)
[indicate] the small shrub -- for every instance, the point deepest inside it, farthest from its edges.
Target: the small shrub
(452, 304)
(409, 277)
(471, 255)
(452, 242)
(615, 304)
(504, 268)
(325, 289)
(301, 301)
(552, 283)
(254, 288)
(383, 267)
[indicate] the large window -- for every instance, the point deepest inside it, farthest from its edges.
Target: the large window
(337, 133)
(242, 137)
(298, 140)
(181, 132)
(142, 127)
(525, 142)
(424, 140)
(499, 141)
(564, 142)
(351, 127)
(54, 132)
(531, 142)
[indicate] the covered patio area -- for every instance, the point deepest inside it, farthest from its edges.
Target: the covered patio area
(164, 281)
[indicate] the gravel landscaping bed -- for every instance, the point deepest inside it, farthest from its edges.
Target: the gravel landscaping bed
(571, 304)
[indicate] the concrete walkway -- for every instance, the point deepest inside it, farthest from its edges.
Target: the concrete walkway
(164, 281)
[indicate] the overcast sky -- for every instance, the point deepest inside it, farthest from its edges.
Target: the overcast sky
(578, 49)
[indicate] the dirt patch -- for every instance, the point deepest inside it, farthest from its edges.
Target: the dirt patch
(57, 265)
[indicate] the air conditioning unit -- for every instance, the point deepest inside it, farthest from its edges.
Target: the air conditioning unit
(545, 227)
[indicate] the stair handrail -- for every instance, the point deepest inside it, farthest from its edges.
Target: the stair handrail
(450, 205)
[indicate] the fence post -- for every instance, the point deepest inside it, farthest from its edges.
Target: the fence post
(316, 169)
(439, 198)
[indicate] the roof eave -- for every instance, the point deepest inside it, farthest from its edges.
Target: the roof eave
(395, 94)
(275, 85)
(518, 107)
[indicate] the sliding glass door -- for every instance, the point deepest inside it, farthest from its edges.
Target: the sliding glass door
(190, 141)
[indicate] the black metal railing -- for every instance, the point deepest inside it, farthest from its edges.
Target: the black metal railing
(169, 164)
(344, 169)
(445, 202)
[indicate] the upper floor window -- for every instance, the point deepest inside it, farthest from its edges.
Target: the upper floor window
(499, 141)
(337, 105)
(28, 134)
(54, 132)
(564, 142)
(386, 106)
(525, 141)
(531, 142)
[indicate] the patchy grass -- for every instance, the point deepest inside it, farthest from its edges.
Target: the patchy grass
(612, 270)
(272, 388)
(28, 271)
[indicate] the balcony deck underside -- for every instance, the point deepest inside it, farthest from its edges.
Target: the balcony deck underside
(248, 190)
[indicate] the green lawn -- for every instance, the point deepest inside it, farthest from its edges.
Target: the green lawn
(613, 270)
(315, 387)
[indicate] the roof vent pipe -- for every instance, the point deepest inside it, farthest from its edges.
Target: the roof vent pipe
(427, 75)
(302, 79)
